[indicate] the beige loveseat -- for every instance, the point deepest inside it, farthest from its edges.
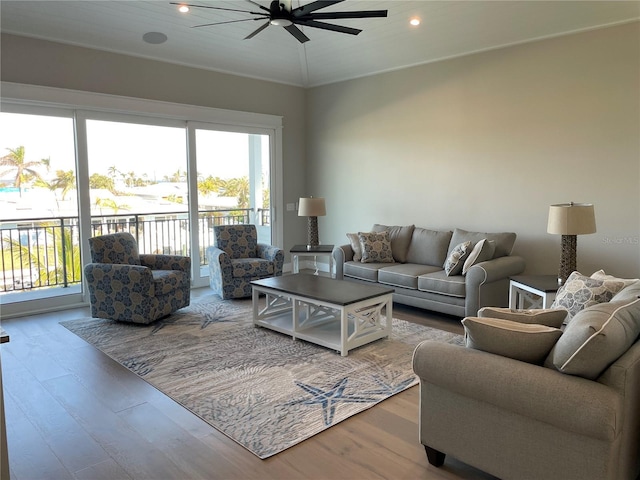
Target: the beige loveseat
(577, 418)
(415, 267)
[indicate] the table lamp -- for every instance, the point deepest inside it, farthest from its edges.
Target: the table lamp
(569, 220)
(312, 208)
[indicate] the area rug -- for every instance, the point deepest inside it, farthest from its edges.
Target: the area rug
(262, 389)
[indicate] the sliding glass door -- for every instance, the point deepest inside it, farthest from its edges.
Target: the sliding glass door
(162, 172)
(233, 183)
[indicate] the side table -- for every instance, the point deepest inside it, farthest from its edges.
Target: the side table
(298, 251)
(539, 290)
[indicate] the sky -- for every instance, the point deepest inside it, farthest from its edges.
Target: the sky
(156, 151)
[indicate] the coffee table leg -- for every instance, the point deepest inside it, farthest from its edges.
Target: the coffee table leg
(344, 331)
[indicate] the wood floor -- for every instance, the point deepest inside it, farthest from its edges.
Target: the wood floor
(72, 412)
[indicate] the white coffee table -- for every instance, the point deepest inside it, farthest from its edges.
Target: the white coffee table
(336, 314)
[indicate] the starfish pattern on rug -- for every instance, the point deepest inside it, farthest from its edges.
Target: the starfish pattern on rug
(207, 319)
(387, 388)
(329, 399)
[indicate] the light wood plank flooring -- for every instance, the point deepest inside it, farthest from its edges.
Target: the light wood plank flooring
(72, 412)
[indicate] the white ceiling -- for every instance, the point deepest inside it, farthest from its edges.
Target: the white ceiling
(448, 29)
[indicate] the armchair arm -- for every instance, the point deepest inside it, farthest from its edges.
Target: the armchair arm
(101, 277)
(166, 262)
(341, 254)
(525, 389)
(273, 254)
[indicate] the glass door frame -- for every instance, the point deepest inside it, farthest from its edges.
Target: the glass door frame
(88, 105)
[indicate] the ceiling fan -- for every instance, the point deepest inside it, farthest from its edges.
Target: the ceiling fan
(281, 14)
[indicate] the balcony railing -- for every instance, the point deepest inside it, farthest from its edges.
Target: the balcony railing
(45, 252)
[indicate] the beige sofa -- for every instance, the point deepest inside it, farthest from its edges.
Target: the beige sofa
(518, 420)
(416, 268)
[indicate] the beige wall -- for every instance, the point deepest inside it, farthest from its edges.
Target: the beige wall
(37, 62)
(487, 142)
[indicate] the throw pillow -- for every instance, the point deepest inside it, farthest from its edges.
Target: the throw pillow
(541, 316)
(400, 239)
(455, 261)
(597, 337)
(522, 341)
(580, 292)
(600, 275)
(628, 293)
(482, 252)
(355, 246)
(376, 247)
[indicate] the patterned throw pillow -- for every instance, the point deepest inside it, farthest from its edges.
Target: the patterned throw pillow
(482, 252)
(355, 246)
(376, 247)
(580, 292)
(455, 261)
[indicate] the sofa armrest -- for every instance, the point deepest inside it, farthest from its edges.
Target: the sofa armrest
(341, 254)
(166, 262)
(495, 269)
(487, 283)
(525, 389)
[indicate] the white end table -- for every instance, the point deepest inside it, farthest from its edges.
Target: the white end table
(538, 290)
(298, 251)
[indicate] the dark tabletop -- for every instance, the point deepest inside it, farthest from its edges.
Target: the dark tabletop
(544, 283)
(305, 248)
(339, 292)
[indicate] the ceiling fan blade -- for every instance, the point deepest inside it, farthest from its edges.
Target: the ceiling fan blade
(340, 15)
(313, 6)
(328, 26)
(255, 32)
(222, 23)
(258, 5)
(296, 32)
(217, 8)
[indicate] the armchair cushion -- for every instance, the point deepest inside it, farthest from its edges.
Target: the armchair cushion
(527, 342)
(237, 241)
(596, 337)
(120, 248)
(541, 316)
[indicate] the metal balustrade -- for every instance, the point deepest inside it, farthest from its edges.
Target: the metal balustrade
(45, 252)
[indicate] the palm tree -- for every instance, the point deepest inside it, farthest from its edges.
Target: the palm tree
(24, 171)
(58, 264)
(110, 203)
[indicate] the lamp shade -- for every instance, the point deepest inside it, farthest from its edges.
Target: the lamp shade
(312, 207)
(571, 219)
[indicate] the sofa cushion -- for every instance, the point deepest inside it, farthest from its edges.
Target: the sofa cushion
(580, 292)
(541, 316)
(400, 238)
(428, 247)
(455, 260)
(481, 252)
(363, 271)
(526, 342)
(596, 337)
(504, 241)
(376, 247)
(440, 282)
(404, 275)
(354, 241)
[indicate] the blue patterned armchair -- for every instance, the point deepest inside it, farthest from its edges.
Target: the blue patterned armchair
(131, 287)
(237, 258)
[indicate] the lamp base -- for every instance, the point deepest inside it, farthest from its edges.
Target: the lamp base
(567, 258)
(312, 231)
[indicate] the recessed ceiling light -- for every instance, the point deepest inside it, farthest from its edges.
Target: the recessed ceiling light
(183, 9)
(415, 21)
(155, 38)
